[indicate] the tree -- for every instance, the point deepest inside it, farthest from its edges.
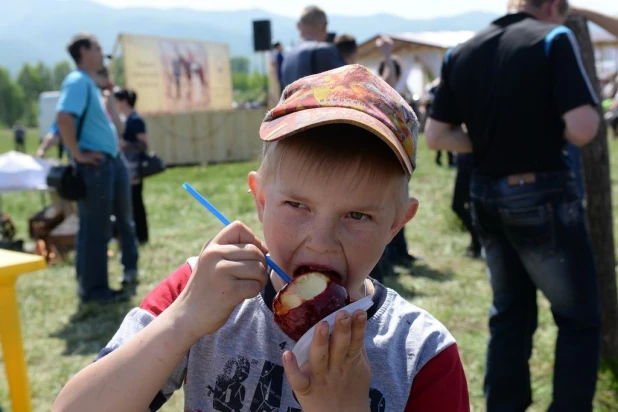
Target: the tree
(12, 102)
(117, 71)
(240, 81)
(30, 82)
(240, 64)
(258, 82)
(61, 70)
(595, 158)
(46, 76)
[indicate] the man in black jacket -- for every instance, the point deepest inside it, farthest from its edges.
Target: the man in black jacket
(520, 88)
(312, 54)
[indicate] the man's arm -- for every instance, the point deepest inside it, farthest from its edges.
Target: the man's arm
(66, 125)
(446, 136)
(385, 45)
(607, 22)
(443, 129)
(129, 378)
(582, 125)
(50, 139)
(574, 95)
(154, 355)
(113, 111)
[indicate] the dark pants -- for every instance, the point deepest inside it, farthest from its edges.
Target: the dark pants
(535, 237)
(107, 193)
(451, 159)
(20, 145)
(398, 248)
(614, 125)
(396, 251)
(575, 163)
(139, 213)
(461, 194)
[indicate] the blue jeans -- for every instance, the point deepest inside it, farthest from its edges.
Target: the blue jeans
(125, 223)
(574, 160)
(535, 237)
(107, 192)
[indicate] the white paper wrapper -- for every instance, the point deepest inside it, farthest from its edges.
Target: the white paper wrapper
(301, 349)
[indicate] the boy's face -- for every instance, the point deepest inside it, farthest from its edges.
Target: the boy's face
(341, 224)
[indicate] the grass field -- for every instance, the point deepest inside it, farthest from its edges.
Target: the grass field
(453, 288)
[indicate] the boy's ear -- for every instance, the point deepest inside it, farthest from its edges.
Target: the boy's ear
(258, 195)
(410, 212)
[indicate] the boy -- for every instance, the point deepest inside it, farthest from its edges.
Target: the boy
(331, 192)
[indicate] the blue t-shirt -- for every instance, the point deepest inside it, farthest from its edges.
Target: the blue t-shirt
(133, 126)
(97, 133)
(53, 129)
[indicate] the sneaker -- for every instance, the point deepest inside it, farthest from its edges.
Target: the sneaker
(130, 278)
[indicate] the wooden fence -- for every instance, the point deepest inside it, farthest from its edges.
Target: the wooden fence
(206, 137)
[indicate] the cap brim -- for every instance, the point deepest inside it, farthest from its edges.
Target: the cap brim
(296, 122)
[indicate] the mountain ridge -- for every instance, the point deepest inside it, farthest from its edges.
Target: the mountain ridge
(30, 29)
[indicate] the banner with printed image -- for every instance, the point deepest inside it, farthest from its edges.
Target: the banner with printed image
(173, 75)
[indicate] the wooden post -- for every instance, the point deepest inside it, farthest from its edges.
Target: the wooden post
(595, 157)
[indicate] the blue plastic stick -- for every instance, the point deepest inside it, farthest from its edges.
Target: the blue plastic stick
(226, 222)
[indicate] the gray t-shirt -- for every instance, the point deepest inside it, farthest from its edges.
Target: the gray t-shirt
(239, 368)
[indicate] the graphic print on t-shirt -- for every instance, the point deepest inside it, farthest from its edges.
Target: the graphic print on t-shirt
(239, 382)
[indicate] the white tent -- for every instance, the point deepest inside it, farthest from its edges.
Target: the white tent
(420, 54)
(21, 172)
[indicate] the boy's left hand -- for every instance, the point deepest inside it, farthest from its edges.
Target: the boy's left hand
(337, 375)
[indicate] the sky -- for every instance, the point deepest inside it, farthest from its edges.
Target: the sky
(413, 9)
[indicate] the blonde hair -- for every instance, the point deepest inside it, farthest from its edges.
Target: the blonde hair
(313, 16)
(328, 152)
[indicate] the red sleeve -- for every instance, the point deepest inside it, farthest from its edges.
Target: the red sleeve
(167, 291)
(440, 385)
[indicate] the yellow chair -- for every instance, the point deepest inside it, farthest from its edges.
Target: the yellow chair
(13, 264)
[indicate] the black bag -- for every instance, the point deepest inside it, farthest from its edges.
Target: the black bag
(150, 164)
(65, 178)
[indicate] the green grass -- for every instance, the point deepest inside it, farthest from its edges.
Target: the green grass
(451, 287)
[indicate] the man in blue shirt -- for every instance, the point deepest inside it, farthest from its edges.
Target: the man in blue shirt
(89, 136)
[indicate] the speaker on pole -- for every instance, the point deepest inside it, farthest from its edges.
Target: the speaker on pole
(261, 35)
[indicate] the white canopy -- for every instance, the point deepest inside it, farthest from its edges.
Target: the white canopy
(21, 172)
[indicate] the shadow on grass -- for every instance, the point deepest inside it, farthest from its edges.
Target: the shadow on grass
(423, 270)
(92, 327)
(403, 281)
(399, 285)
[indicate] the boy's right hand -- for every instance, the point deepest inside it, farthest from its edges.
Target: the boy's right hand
(230, 269)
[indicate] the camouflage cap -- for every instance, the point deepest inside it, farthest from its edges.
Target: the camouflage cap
(350, 94)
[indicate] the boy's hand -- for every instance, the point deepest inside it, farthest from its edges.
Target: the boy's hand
(337, 375)
(230, 269)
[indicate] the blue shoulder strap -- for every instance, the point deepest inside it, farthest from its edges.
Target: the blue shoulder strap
(552, 35)
(447, 56)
